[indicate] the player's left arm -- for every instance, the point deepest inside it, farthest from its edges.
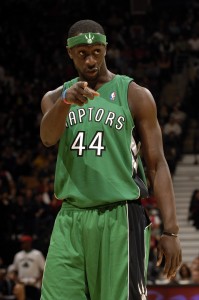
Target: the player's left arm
(144, 111)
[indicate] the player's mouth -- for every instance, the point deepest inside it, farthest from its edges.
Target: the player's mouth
(92, 71)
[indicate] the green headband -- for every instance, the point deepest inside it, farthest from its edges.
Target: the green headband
(86, 38)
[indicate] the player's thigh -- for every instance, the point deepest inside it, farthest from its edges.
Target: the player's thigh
(106, 248)
(116, 252)
(64, 275)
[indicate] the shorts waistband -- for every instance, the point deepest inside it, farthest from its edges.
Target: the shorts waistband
(108, 206)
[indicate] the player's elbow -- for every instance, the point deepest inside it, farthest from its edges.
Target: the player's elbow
(47, 142)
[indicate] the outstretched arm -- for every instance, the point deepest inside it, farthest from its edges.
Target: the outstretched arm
(55, 110)
(143, 108)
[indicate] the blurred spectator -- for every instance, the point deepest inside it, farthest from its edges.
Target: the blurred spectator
(10, 289)
(172, 128)
(184, 274)
(149, 202)
(178, 114)
(174, 29)
(166, 46)
(7, 184)
(195, 270)
(153, 270)
(156, 221)
(173, 125)
(172, 134)
(194, 208)
(165, 65)
(169, 94)
(156, 230)
(29, 265)
(43, 219)
(163, 114)
(193, 42)
(171, 156)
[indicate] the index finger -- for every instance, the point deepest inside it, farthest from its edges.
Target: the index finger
(90, 91)
(87, 91)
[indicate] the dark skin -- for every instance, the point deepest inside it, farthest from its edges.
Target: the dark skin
(89, 61)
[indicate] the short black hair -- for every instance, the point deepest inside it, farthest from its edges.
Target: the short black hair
(84, 26)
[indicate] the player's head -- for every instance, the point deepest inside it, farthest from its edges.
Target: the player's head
(86, 45)
(86, 32)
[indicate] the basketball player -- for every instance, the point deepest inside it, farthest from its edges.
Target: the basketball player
(100, 241)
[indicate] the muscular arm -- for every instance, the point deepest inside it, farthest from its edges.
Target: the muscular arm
(145, 116)
(55, 112)
(143, 108)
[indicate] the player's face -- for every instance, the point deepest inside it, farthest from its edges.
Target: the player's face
(88, 60)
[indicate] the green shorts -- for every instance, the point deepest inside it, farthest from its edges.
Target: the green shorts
(98, 254)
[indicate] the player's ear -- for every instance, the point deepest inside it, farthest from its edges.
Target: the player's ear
(69, 52)
(105, 51)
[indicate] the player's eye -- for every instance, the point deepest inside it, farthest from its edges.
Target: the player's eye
(97, 51)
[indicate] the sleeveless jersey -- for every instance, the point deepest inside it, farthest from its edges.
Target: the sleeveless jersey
(98, 156)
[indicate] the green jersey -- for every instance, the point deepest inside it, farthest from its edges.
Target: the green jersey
(98, 156)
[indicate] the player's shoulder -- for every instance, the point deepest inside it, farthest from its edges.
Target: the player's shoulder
(51, 93)
(51, 96)
(140, 99)
(139, 91)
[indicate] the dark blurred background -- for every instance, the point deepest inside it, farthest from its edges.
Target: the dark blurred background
(155, 42)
